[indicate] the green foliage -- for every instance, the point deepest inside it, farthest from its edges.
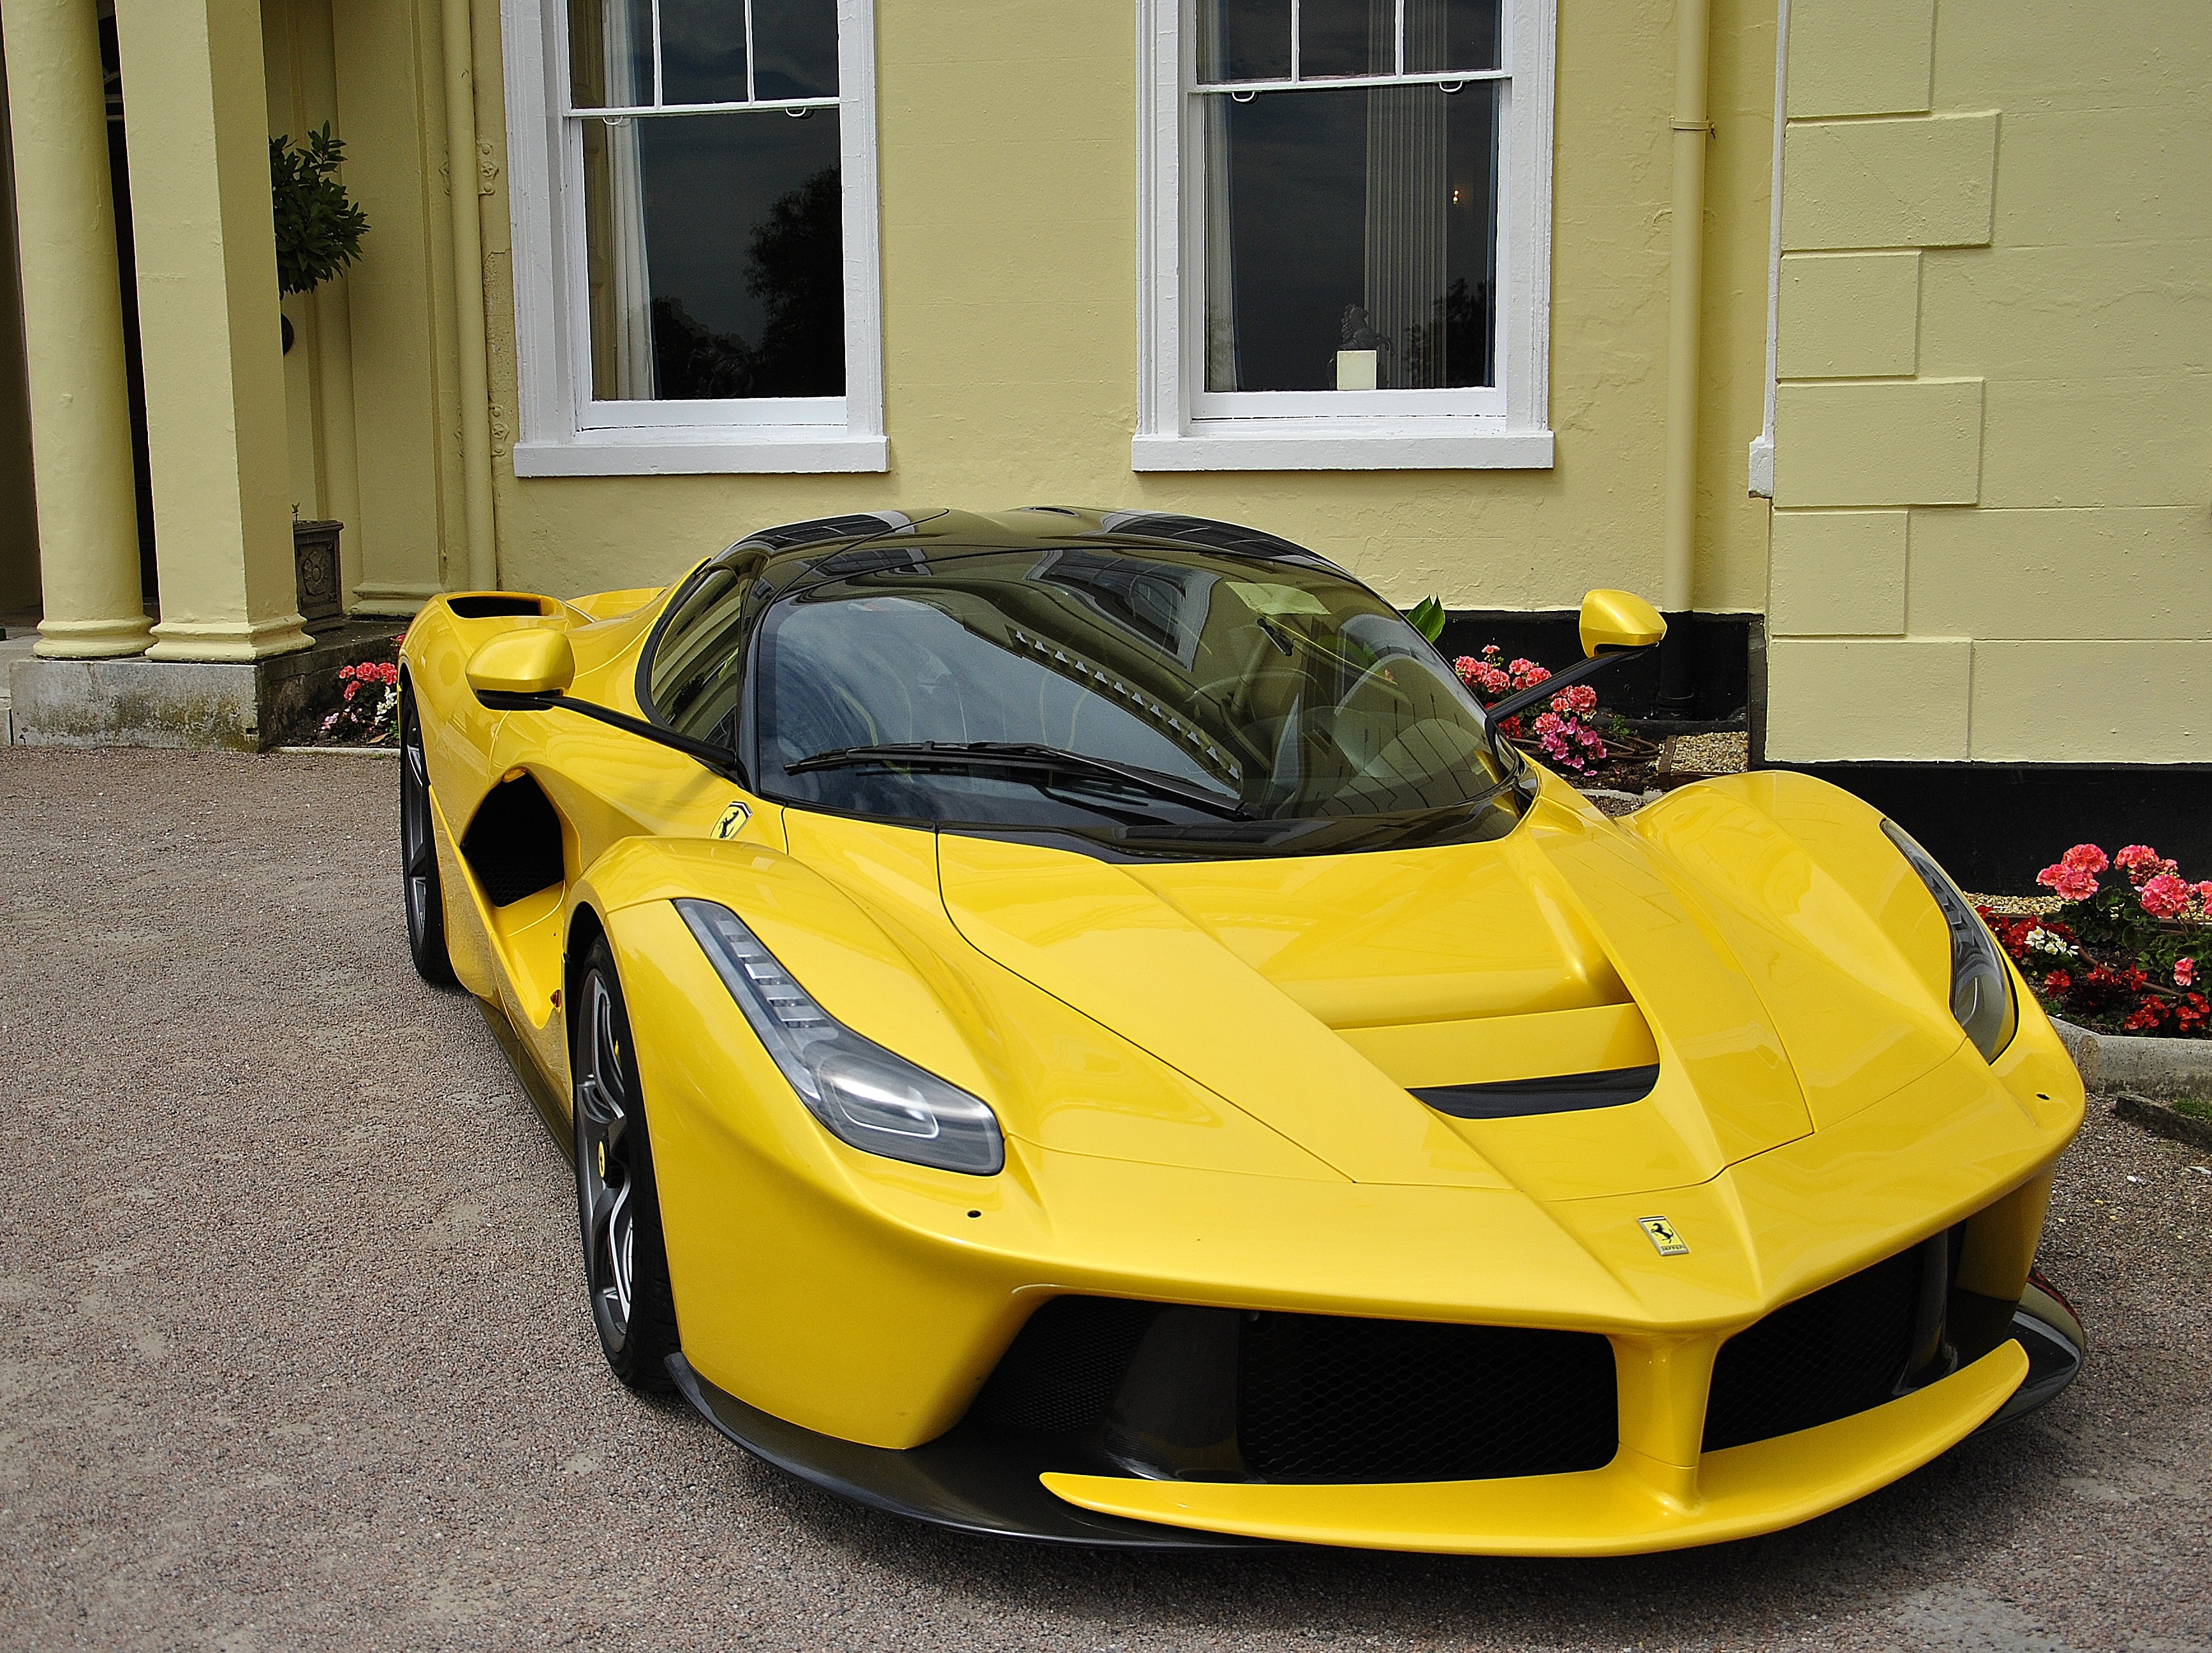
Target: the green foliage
(319, 225)
(1427, 617)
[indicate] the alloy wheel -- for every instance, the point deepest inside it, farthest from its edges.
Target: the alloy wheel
(606, 1178)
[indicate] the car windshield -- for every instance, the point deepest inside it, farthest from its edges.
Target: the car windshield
(1150, 700)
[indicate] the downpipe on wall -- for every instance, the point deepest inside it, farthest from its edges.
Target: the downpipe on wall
(1693, 129)
(459, 31)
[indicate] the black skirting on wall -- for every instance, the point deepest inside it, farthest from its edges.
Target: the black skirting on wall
(1995, 826)
(1721, 648)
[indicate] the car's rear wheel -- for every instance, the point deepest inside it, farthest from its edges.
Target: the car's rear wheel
(418, 853)
(618, 1203)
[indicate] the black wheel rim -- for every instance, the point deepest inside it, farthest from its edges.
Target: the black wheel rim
(606, 1178)
(418, 846)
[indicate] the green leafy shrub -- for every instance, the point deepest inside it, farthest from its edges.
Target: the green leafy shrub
(319, 225)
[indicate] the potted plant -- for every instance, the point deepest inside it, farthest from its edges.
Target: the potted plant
(318, 231)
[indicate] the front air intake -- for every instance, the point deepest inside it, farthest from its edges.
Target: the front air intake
(1223, 1394)
(1843, 1350)
(1322, 1398)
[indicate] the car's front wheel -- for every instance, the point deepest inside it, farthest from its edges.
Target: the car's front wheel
(418, 852)
(618, 1203)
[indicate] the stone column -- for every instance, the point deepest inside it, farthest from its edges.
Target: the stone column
(196, 115)
(73, 333)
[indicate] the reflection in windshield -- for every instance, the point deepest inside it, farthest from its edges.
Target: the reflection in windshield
(1286, 686)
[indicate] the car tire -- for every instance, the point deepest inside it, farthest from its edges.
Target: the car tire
(617, 1201)
(421, 888)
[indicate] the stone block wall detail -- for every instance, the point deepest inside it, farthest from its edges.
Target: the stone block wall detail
(1992, 456)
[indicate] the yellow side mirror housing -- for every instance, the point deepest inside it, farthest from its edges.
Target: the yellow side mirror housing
(533, 661)
(1619, 619)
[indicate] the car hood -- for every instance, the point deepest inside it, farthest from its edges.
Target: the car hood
(1315, 994)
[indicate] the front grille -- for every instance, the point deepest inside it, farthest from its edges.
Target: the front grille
(1315, 1397)
(1324, 1398)
(1062, 1371)
(1839, 1351)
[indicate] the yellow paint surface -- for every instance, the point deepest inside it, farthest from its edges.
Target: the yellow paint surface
(1859, 57)
(1832, 701)
(2063, 219)
(1923, 182)
(1838, 574)
(1849, 315)
(1915, 442)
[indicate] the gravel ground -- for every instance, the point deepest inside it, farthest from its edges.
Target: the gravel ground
(295, 1354)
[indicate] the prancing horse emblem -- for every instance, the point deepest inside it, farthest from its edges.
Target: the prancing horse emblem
(733, 820)
(1662, 1234)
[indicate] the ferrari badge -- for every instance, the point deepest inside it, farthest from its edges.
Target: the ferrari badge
(1662, 1234)
(733, 820)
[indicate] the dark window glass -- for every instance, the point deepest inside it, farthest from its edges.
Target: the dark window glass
(1278, 689)
(795, 48)
(698, 664)
(702, 51)
(610, 53)
(716, 256)
(1244, 40)
(1441, 34)
(1347, 36)
(1360, 220)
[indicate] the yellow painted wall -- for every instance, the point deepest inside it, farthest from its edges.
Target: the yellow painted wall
(1008, 144)
(369, 396)
(19, 511)
(1993, 527)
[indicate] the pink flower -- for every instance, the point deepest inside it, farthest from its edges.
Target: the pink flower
(2085, 858)
(2140, 861)
(2184, 972)
(1482, 675)
(1577, 700)
(2068, 883)
(1527, 674)
(2204, 896)
(2164, 895)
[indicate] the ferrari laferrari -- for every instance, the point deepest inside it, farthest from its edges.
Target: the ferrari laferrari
(1077, 1025)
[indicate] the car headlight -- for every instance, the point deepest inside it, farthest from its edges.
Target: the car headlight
(1981, 986)
(863, 1094)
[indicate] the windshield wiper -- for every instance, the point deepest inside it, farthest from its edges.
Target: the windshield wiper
(1023, 757)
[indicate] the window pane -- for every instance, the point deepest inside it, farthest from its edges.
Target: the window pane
(609, 53)
(702, 51)
(1347, 36)
(795, 48)
(716, 252)
(1244, 40)
(1362, 221)
(1443, 34)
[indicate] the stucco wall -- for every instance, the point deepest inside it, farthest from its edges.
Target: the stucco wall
(1008, 164)
(1994, 424)
(19, 512)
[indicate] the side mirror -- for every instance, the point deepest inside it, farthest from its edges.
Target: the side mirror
(1614, 620)
(533, 661)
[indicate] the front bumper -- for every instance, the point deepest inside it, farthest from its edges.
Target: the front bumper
(1024, 1483)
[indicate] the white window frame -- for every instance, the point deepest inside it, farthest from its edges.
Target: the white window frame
(1181, 426)
(562, 431)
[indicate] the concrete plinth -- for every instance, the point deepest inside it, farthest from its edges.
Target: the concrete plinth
(244, 706)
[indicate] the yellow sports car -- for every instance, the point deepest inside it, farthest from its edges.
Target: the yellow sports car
(1073, 1024)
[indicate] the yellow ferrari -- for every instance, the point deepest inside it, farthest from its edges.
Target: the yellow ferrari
(1073, 1025)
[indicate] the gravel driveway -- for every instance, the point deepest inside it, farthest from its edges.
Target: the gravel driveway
(296, 1354)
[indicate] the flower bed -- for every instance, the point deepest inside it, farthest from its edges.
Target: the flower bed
(1573, 735)
(363, 703)
(2118, 956)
